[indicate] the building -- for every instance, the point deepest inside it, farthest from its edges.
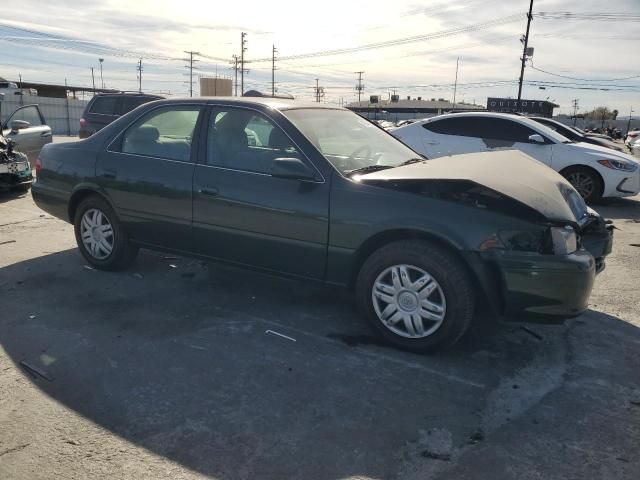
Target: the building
(216, 87)
(396, 109)
(51, 90)
(542, 108)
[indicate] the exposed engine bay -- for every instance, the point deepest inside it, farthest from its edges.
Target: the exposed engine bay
(15, 171)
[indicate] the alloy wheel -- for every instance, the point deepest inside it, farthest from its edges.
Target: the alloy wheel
(582, 182)
(408, 301)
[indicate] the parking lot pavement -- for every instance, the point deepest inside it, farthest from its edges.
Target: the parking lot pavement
(167, 371)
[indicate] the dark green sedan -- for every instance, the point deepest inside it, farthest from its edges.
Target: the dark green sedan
(320, 193)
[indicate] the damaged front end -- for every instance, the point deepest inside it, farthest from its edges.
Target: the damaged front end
(545, 262)
(15, 170)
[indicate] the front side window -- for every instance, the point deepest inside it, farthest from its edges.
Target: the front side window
(508, 130)
(163, 133)
(27, 114)
(246, 140)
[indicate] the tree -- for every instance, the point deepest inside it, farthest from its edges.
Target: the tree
(601, 114)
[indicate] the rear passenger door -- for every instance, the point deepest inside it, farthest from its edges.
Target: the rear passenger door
(147, 172)
(453, 135)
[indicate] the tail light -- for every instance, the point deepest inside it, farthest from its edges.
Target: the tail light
(82, 122)
(38, 165)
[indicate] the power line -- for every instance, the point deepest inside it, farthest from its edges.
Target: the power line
(585, 79)
(608, 17)
(402, 41)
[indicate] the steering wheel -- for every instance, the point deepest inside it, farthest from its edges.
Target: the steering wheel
(360, 151)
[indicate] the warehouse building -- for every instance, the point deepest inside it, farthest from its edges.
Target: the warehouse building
(395, 109)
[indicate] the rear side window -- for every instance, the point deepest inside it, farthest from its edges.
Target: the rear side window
(508, 130)
(163, 133)
(129, 103)
(461, 126)
(105, 106)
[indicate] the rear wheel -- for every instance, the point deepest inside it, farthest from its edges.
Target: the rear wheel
(586, 181)
(100, 236)
(416, 295)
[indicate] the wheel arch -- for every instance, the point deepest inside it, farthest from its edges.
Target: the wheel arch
(486, 279)
(582, 166)
(79, 195)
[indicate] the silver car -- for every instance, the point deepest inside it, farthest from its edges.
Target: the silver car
(28, 130)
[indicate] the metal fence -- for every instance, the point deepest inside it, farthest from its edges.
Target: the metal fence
(61, 114)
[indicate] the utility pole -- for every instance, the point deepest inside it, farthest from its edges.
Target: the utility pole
(101, 77)
(629, 122)
(524, 50)
(575, 111)
(317, 92)
(273, 70)
(191, 61)
(243, 48)
(455, 85)
(93, 80)
(235, 74)
(359, 86)
(139, 68)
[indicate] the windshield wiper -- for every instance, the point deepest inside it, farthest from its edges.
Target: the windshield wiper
(410, 161)
(367, 169)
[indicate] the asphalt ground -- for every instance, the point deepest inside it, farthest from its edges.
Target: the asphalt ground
(176, 370)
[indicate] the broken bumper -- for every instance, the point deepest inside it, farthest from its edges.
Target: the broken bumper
(557, 285)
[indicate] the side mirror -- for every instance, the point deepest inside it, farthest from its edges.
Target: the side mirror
(292, 168)
(536, 138)
(19, 125)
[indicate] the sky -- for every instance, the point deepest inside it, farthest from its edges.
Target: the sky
(405, 47)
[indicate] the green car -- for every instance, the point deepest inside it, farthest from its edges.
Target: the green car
(319, 193)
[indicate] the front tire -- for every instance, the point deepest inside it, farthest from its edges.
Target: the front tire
(586, 182)
(416, 295)
(100, 236)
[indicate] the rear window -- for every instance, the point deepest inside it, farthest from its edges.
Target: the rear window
(105, 106)
(129, 103)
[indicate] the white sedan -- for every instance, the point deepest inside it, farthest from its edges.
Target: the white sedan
(594, 171)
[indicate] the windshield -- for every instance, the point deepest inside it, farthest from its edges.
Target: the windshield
(349, 141)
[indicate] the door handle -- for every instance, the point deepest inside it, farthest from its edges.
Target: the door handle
(209, 191)
(45, 134)
(106, 173)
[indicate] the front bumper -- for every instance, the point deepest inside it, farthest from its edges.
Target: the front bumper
(15, 174)
(556, 285)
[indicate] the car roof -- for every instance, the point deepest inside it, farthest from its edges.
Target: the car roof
(269, 102)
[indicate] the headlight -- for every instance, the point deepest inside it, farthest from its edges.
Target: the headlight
(619, 165)
(565, 240)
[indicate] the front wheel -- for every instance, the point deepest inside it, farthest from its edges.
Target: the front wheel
(416, 295)
(100, 236)
(586, 182)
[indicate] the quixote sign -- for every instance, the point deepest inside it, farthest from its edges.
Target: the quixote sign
(539, 107)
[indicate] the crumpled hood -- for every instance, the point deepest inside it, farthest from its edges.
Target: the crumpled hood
(508, 172)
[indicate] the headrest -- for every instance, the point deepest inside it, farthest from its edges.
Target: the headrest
(145, 133)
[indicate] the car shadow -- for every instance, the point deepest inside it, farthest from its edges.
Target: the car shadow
(9, 195)
(627, 209)
(236, 374)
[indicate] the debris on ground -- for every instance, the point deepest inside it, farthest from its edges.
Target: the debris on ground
(532, 333)
(271, 332)
(138, 275)
(173, 266)
(476, 437)
(88, 267)
(36, 371)
(170, 258)
(8, 241)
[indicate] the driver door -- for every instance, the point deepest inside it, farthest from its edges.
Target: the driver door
(30, 139)
(242, 214)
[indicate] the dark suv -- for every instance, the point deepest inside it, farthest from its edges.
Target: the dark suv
(103, 109)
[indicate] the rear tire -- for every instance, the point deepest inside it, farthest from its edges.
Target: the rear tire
(416, 295)
(586, 181)
(100, 236)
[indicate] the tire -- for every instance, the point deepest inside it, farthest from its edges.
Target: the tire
(22, 188)
(450, 286)
(581, 178)
(99, 216)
